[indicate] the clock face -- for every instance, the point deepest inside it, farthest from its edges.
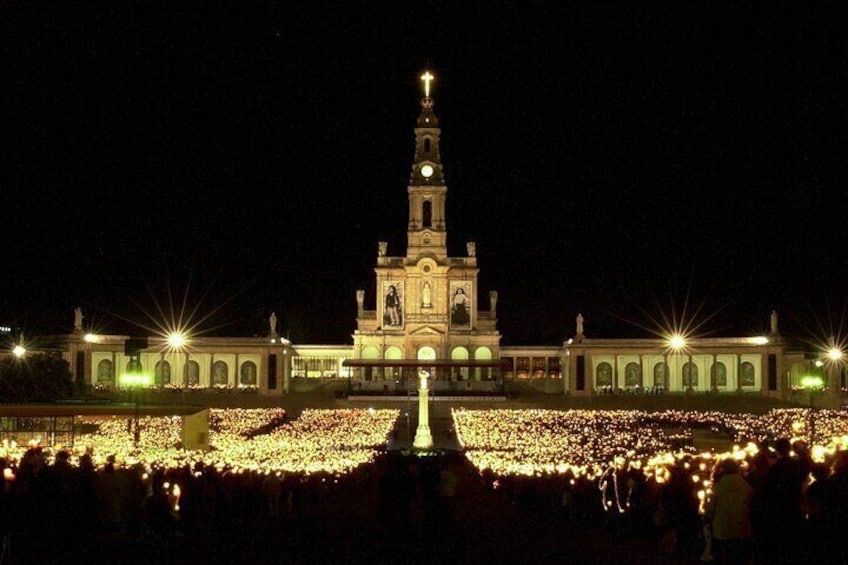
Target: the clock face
(426, 171)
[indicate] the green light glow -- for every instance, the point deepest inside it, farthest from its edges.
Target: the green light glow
(135, 379)
(812, 382)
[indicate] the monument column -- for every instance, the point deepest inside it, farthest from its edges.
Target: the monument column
(423, 438)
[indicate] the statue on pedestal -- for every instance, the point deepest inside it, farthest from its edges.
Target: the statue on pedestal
(78, 319)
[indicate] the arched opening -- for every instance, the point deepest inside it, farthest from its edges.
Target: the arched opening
(690, 375)
(482, 354)
(370, 352)
(104, 371)
(427, 353)
(718, 375)
(393, 353)
(426, 145)
(162, 373)
(632, 375)
(459, 354)
(661, 375)
(603, 375)
(220, 374)
(427, 214)
(248, 374)
(192, 373)
(746, 375)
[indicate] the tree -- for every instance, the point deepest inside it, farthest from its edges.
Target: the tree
(38, 377)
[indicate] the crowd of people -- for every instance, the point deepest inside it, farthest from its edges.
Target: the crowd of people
(768, 496)
(773, 500)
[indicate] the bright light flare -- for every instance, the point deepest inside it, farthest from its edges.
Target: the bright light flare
(834, 354)
(19, 351)
(176, 340)
(91, 338)
(677, 342)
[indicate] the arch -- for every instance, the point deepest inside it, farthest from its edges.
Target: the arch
(426, 353)
(220, 374)
(718, 374)
(370, 352)
(427, 214)
(191, 373)
(632, 375)
(162, 373)
(661, 375)
(427, 144)
(690, 374)
(746, 374)
(482, 353)
(394, 352)
(247, 374)
(603, 374)
(134, 366)
(104, 371)
(460, 353)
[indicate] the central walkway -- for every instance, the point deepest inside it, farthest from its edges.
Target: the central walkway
(441, 427)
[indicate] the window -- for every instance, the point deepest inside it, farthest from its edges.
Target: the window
(554, 369)
(718, 374)
(580, 369)
(104, 371)
(162, 373)
(508, 368)
(248, 374)
(192, 373)
(690, 375)
(427, 214)
(603, 374)
(220, 374)
(426, 145)
(272, 371)
(522, 367)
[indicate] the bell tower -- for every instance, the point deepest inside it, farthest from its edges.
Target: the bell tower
(426, 231)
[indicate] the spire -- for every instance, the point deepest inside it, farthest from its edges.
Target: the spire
(426, 231)
(427, 163)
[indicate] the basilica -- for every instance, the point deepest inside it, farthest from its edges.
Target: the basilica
(427, 313)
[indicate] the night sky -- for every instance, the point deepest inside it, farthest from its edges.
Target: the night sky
(621, 161)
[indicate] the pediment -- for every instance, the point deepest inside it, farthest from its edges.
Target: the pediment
(426, 330)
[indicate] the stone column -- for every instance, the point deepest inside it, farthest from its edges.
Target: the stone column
(423, 438)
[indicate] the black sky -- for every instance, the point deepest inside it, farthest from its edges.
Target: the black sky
(608, 159)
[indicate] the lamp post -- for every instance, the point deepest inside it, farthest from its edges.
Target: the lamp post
(176, 341)
(677, 343)
(811, 384)
(133, 381)
(833, 360)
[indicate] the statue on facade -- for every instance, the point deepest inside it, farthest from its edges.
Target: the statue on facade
(773, 322)
(360, 303)
(272, 321)
(382, 247)
(78, 319)
(493, 303)
(579, 324)
(471, 247)
(426, 297)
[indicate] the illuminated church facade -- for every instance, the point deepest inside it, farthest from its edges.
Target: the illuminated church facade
(427, 313)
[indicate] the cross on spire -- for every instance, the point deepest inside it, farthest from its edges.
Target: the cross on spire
(427, 77)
